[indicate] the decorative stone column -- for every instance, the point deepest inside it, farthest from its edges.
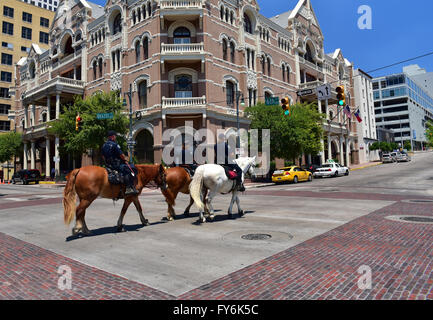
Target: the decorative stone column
(32, 155)
(48, 109)
(47, 157)
(347, 152)
(323, 158)
(57, 106)
(341, 151)
(25, 156)
(329, 146)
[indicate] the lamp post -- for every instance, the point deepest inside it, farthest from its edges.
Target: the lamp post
(238, 140)
(130, 141)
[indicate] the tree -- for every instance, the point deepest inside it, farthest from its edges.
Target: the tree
(93, 131)
(10, 145)
(429, 132)
(290, 136)
(407, 145)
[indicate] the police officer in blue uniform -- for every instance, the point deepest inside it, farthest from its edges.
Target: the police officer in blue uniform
(115, 160)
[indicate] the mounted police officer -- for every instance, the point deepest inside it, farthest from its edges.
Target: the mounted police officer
(222, 146)
(115, 160)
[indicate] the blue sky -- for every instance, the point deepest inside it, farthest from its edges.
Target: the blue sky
(401, 30)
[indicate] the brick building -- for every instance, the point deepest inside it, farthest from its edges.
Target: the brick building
(186, 60)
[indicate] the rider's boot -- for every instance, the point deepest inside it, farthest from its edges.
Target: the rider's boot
(241, 187)
(130, 190)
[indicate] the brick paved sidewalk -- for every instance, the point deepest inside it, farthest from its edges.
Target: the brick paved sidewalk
(399, 254)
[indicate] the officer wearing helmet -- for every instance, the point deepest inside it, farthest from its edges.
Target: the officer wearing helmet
(115, 160)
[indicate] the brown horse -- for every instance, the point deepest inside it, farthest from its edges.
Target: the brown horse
(177, 180)
(89, 182)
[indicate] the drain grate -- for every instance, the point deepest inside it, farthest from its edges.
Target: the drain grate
(418, 219)
(256, 236)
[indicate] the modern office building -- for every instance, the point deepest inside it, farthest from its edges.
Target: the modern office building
(23, 25)
(402, 104)
(45, 4)
(186, 60)
(365, 104)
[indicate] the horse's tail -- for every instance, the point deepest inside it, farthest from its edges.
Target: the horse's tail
(195, 188)
(70, 197)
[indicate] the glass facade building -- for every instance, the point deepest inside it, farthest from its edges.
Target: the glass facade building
(403, 106)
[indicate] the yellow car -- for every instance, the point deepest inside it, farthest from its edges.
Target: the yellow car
(291, 174)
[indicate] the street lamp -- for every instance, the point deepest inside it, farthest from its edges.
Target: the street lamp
(238, 141)
(130, 141)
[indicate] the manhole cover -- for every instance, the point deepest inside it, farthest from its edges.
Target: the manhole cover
(418, 219)
(34, 198)
(256, 236)
(412, 219)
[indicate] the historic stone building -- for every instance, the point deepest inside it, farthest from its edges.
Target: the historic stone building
(186, 61)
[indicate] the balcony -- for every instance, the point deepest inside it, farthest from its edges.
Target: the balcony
(182, 49)
(184, 52)
(58, 84)
(181, 103)
(185, 9)
(310, 65)
(181, 4)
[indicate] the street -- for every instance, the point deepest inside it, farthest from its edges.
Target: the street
(308, 241)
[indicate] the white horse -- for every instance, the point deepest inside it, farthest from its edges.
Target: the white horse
(212, 177)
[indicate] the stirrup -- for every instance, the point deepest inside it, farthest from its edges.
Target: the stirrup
(130, 191)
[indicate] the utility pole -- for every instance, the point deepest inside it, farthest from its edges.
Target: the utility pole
(130, 141)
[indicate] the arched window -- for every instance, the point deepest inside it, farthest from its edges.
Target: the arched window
(100, 67)
(68, 47)
(182, 35)
(269, 66)
(230, 93)
(231, 17)
(283, 67)
(32, 70)
(117, 24)
(133, 18)
(149, 9)
(224, 49)
(263, 64)
(44, 117)
(227, 15)
(146, 48)
(183, 86)
(144, 12)
(78, 37)
(232, 52)
(142, 94)
(248, 27)
(341, 73)
(222, 13)
(138, 15)
(267, 95)
(137, 51)
(94, 70)
(309, 54)
(288, 74)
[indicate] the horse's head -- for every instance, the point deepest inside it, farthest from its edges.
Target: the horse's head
(246, 164)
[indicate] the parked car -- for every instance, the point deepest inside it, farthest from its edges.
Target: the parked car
(388, 158)
(26, 176)
(331, 170)
(403, 157)
(291, 174)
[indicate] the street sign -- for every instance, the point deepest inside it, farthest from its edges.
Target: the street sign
(102, 116)
(324, 92)
(272, 101)
(305, 92)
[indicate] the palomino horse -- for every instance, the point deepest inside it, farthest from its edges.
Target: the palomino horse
(212, 177)
(89, 182)
(177, 180)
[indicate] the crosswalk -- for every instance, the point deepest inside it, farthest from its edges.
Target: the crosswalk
(30, 198)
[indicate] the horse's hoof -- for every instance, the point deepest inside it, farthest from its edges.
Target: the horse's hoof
(75, 231)
(241, 213)
(186, 213)
(170, 218)
(121, 228)
(211, 218)
(145, 223)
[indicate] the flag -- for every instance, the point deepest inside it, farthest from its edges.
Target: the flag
(357, 116)
(346, 110)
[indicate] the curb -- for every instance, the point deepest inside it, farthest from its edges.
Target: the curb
(260, 185)
(368, 166)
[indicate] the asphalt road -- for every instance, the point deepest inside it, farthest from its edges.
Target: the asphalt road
(178, 256)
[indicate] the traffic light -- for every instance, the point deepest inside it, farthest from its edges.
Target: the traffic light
(78, 123)
(285, 105)
(341, 97)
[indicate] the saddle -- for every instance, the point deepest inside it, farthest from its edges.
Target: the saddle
(231, 174)
(114, 177)
(189, 168)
